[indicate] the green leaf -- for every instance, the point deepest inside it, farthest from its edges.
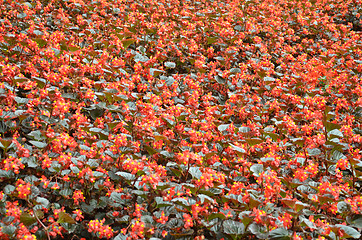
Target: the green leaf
(257, 169)
(155, 72)
(335, 133)
(254, 202)
(244, 129)
(342, 206)
(121, 237)
(223, 127)
(167, 154)
(66, 192)
(308, 223)
(9, 189)
(258, 230)
(300, 206)
(19, 79)
(280, 234)
(176, 171)
(195, 172)
(161, 203)
(181, 202)
(233, 227)
(299, 141)
(220, 80)
(204, 198)
(6, 174)
(117, 197)
(9, 230)
(39, 214)
(238, 149)
(357, 221)
(314, 151)
(43, 201)
(170, 64)
(27, 219)
(349, 232)
(169, 122)
(126, 175)
(37, 135)
(235, 70)
(38, 144)
(65, 218)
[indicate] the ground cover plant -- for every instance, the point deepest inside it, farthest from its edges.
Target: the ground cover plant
(180, 119)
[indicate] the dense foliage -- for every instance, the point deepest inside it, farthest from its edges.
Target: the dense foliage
(180, 119)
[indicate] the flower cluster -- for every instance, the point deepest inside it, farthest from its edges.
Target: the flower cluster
(98, 227)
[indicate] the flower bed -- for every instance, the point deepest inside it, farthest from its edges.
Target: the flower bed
(180, 119)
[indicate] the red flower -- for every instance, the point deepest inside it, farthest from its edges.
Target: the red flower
(188, 221)
(79, 214)
(78, 196)
(23, 189)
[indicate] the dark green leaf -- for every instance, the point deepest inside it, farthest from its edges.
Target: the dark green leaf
(127, 42)
(330, 126)
(167, 154)
(6, 174)
(216, 215)
(212, 40)
(253, 141)
(41, 42)
(150, 150)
